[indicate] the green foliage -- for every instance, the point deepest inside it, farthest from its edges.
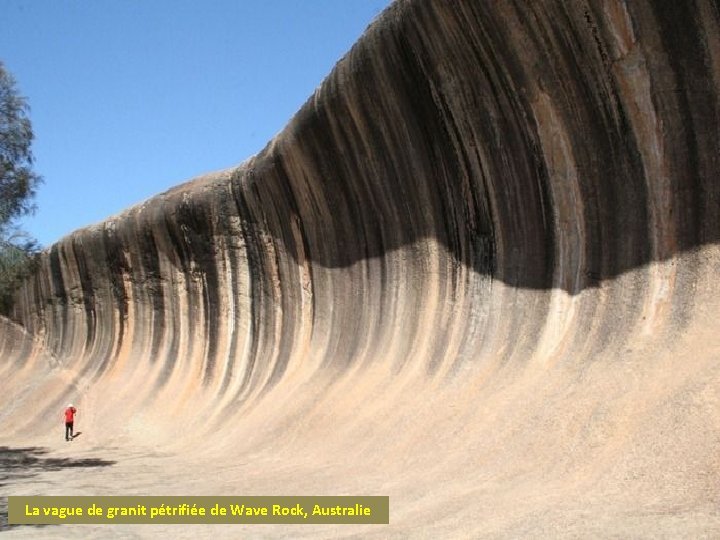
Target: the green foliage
(16, 263)
(18, 185)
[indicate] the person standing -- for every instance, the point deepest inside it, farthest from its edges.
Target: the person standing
(69, 421)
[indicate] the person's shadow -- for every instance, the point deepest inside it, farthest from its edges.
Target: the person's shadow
(76, 435)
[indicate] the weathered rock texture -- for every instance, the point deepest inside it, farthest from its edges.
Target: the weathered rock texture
(477, 272)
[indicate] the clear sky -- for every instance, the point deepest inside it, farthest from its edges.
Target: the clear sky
(131, 97)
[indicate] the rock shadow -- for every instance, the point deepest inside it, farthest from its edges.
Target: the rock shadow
(20, 463)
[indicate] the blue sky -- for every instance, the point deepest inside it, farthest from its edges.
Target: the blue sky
(131, 97)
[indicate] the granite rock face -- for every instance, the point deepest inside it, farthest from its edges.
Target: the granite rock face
(519, 201)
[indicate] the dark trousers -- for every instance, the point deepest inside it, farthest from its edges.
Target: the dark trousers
(68, 431)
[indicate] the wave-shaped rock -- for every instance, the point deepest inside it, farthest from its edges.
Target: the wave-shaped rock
(485, 248)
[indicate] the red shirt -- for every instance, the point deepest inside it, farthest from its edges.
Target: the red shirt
(70, 414)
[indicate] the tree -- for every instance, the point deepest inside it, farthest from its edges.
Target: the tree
(18, 185)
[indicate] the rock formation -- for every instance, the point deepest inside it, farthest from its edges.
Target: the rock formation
(476, 272)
